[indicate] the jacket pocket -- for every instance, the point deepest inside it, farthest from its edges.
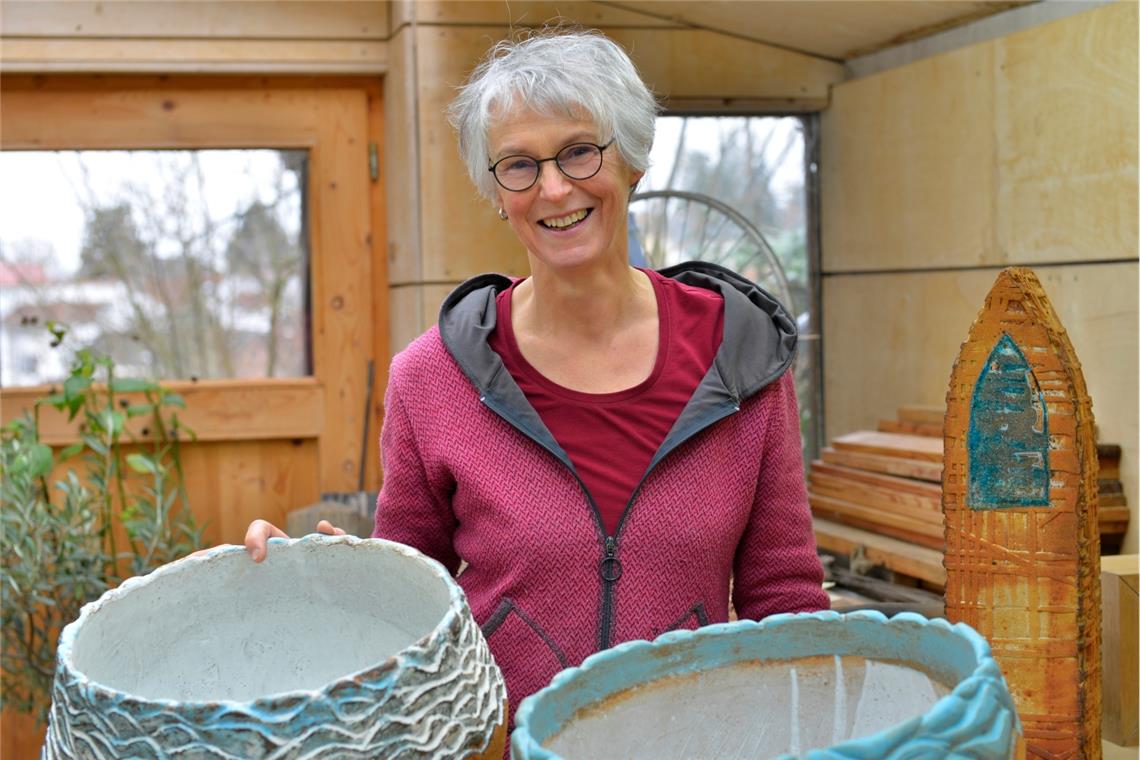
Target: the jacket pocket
(694, 618)
(524, 652)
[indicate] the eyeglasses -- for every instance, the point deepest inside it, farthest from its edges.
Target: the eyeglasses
(577, 161)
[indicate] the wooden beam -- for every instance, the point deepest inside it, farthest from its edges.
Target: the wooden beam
(216, 410)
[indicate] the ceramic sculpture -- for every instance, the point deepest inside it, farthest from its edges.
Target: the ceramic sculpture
(332, 647)
(815, 686)
(1019, 498)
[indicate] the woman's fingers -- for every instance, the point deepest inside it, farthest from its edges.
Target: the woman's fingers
(257, 538)
(326, 527)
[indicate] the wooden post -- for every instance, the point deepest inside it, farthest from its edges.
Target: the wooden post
(1019, 497)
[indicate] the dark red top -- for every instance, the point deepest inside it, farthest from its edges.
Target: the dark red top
(612, 437)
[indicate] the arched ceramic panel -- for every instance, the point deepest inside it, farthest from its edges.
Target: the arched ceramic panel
(1008, 441)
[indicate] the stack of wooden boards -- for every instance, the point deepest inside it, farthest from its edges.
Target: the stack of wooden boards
(881, 490)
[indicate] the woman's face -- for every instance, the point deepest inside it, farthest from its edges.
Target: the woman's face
(564, 222)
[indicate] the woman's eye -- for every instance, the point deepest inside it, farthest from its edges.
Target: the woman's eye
(578, 151)
(518, 165)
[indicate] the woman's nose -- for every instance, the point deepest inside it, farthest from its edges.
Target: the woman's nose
(552, 182)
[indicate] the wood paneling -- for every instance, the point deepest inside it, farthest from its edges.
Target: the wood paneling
(906, 167)
(342, 279)
(990, 154)
(216, 410)
(519, 14)
(825, 28)
(898, 347)
(191, 56)
(244, 19)
(415, 308)
(1066, 126)
(195, 37)
(401, 157)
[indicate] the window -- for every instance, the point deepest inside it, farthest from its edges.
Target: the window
(178, 263)
(738, 190)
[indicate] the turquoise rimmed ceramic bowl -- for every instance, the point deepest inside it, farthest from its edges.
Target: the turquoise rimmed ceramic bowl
(817, 686)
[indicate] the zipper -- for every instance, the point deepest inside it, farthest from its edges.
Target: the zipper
(610, 568)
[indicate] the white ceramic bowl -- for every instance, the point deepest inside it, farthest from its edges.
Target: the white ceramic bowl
(334, 646)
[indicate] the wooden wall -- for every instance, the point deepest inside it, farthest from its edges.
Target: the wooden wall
(440, 230)
(938, 173)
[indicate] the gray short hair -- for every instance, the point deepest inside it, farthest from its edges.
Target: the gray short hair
(555, 71)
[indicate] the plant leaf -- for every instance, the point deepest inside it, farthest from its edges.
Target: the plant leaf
(75, 385)
(174, 399)
(134, 410)
(132, 385)
(39, 460)
(143, 463)
(70, 451)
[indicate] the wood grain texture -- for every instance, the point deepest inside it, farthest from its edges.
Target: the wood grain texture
(1119, 583)
(906, 446)
(888, 465)
(990, 151)
(342, 278)
(899, 556)
(216, 410)
(1027, 578)
(204, 36)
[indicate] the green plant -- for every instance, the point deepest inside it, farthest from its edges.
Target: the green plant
(61, 542)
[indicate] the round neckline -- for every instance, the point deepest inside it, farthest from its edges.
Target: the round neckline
(570, 394)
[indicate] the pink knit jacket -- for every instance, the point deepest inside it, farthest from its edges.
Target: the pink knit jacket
(472, 474)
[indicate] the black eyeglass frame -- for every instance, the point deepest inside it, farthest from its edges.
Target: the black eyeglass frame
(538, 162)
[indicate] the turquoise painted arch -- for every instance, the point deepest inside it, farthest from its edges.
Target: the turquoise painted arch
(1008, 439)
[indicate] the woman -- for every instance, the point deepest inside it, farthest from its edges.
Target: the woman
(603, 446)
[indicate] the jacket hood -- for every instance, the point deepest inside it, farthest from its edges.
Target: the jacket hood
(758, 346)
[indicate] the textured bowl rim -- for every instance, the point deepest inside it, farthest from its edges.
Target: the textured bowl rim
(457, 602)
(985, 664)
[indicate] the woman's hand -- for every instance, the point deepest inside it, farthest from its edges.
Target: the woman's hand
(260, 531)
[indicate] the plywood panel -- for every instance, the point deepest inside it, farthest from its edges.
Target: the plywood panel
(988, 155)
(414, 309)
(401, 161)
(827, 28)
(702, 64)
(906, 167)
(530, 14)
(1066, 124)
(251, 19)
(70, 54)
(897, 347)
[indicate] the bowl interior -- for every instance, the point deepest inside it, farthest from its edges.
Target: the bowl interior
(225, 628)
(750, 709)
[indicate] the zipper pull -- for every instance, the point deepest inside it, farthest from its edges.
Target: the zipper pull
(610, 567)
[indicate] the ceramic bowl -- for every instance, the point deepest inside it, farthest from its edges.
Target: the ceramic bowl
(815, 686)
(332, 647)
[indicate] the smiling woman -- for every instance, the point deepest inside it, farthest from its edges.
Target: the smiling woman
(600, 447)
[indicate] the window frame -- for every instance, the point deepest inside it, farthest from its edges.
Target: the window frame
(338, 120)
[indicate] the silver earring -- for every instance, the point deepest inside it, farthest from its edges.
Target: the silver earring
(503, 215)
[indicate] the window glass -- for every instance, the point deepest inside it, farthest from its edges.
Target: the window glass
(735, 190)
(178, 264)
